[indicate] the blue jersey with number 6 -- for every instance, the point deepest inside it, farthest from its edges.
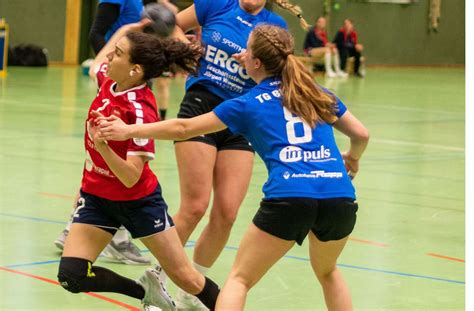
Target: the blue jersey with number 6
(225, 30)
(301, 161)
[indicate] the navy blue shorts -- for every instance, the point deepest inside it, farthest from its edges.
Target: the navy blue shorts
(142, 217)
(292, 218)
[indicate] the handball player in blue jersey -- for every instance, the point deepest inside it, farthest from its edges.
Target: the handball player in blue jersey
(219, 162)
(289, 120)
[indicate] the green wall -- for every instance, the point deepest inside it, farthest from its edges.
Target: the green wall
(394, 33)
(39, 22)
(391, 33)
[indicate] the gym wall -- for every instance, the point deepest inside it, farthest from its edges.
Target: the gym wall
(38, 22)
(391, 33)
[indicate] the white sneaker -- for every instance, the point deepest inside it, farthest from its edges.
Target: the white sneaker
(59, 242)
(150, 308)
(331, 74)
(156, 294)
(342, 74)
(125, 252)
(185, 301)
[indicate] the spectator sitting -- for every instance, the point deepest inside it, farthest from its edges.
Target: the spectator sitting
(346, 42)
(317, 46)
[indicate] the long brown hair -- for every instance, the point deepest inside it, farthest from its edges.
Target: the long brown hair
(156, 54)
(274, 46)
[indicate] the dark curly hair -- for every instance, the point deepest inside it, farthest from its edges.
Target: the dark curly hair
(156, 55)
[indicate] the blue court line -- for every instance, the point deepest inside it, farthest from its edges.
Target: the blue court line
(193, 243)
(34, 218)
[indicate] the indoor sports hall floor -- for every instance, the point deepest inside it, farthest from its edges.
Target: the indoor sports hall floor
(407, 250)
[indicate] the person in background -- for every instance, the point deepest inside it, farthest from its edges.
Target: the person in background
(318, 47)
(348, 46)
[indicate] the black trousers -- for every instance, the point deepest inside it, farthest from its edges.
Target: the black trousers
(344, 53)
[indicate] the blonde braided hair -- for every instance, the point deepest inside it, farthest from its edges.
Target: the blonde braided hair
(293, 9)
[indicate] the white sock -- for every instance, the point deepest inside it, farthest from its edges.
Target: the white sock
(327, 62)
(337, 65)
(201, 269)
(68, 225)
(121, 235)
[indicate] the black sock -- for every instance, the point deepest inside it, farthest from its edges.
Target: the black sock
(109, 281)
(163, 114)
(79, 275)
(209, 293)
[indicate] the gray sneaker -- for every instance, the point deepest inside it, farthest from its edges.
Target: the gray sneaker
(155, 292)
(59, 242)
(125, 252)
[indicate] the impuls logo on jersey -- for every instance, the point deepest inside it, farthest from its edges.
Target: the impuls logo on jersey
(295, 154)
(216, 36)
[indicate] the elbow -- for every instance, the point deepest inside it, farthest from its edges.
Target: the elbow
(363, 135)
(130, 183)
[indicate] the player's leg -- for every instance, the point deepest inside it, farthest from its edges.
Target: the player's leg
(167, 248)
(91, 231)
(258, 252)
(232, 175)
(328, 236)
(323, 257)
(195, 166)
(163, 94)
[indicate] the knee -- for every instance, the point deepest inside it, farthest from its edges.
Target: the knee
(194, 210)
(326, 275)
(224, 218)
(72, 272)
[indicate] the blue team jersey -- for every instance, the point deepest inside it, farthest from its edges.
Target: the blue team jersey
(225, 30)
(130, 12)
(301, 161)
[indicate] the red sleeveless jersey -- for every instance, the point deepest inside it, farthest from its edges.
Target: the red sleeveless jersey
(134, 106)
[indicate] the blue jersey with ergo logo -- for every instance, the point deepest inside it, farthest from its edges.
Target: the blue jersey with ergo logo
(301, 161)
(225, 30)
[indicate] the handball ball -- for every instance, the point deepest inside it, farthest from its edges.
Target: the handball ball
(162, 18)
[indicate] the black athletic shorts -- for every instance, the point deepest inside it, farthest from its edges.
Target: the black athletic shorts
(292, 218)
(197, 101)
(142, 217)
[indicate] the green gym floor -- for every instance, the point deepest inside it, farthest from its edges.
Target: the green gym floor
(406, 252)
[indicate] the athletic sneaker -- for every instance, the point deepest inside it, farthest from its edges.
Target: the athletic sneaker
(185, 301)
(331, 74)
(59, 242)
(155, 293)
(342, 74)
(125, 252)
(150, 308)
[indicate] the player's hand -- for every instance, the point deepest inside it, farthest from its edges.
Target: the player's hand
(113, 128)
(138, 26)
(94, 132)
(241, 57)
(352, 165)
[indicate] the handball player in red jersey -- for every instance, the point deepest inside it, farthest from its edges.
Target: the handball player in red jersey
(118, 187)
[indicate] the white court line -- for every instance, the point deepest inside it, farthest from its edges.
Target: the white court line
(408, 143)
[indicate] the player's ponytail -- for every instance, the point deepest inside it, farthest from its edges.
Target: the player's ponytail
(274, 46)
(293, 9)
(156, 55)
